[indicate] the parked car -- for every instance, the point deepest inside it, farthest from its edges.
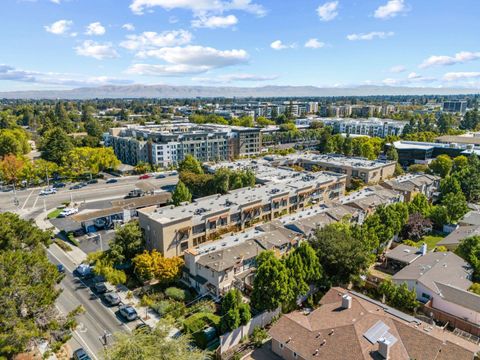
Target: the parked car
(81, 354)
(100, 288)
(144, 176)
(144, 328)
(92, 181)
(75, 187)
(128, 312)
(48, 191)
(112, 298)
(83, 184)
(59, 185)
(83, 270)
(60, 268)
(173, 173)
(111, 181)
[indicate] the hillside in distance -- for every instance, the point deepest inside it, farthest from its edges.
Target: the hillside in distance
(172, 91)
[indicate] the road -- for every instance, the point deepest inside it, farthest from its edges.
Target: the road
(97, 318)
(30, 203)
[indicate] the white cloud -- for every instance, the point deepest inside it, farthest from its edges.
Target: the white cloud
(414, 75)
(453, 76)
(411, 79)
(279, 45)
(314, 44)
(328, 11)
(199, 7)
(151, 40)
(12, 74)
(55, 1)
(391, 9)
(370, 36)
(398, 69)
(59, 27)
(192, 59)
(215, 21)
(96, 50)
(128, 27)
(95, 28)
(461, 57)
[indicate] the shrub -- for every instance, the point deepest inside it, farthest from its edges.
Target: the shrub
(62, 245)
(206, 306)
(259, 336)
(171, 308)
(177, 294)
(198, 322)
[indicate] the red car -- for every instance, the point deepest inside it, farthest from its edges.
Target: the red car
(145, 176)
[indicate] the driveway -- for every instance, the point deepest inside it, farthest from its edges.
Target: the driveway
(263, 353)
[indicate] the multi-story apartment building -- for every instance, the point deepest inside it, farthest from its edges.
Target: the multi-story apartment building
(168, 144)
(172, 230)
(370, 127)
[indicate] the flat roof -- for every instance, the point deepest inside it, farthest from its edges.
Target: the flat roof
(238, 199)
(338, 160)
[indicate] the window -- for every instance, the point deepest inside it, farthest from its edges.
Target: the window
(295, 355)
(281, 346)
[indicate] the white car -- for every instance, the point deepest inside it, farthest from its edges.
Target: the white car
(68, 211)
(48, 191)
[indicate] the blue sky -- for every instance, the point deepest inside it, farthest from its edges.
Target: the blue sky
(55, 44)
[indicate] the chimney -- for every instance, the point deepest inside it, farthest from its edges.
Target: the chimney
(346, 301)
(384, 348)
(423, 249)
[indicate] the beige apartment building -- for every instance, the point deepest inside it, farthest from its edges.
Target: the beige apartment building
(172, 230)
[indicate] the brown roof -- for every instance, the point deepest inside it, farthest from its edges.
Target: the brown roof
(342, 332)
(459, 139)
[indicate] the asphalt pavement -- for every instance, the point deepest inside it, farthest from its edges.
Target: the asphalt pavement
(98, 318)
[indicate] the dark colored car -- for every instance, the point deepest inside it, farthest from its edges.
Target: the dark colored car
(75, 187)
(111, 181)
(60, 268)
(92, 181)
(59, 185)
(144, 328)
(161, 176)
(169, 188)
(112, 299)
(81, 354)
(145, 176)
(100, 288)
(83, 184)
(128, 312)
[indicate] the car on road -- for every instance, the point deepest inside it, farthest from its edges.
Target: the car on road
(144, 176)
(111, 181)
(48, 191)
(83, 184)
(92, 181)
(100, 288)
(81, 354)
(112, 298)
(61, 268)
(84, 270)
(161, 176)
(59, 185)
(173, 173)
(168, 188)
(128, 312)
(75, 187)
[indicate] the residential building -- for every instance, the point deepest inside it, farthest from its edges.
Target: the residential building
(472, 139)
(168, 144)
(172, 230)
(457, 106)
(470, 218)
(370, 198)
(452, 240)
(369, 126)
(433, 272)
(349, 325)
(412, 184)
(216, 267)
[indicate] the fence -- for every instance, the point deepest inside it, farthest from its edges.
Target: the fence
(234, 337)
(452, 320)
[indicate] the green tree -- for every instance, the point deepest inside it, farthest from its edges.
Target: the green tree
(127, 243)
(272, 286)
(181, 194)
(469, 250)
(439, 216)
(456, 206)
(234, 312)
(441, 166)
(392, 153)
(13, 141)
(190, 164)
(420, 205)
(157, 344)
(55, 145)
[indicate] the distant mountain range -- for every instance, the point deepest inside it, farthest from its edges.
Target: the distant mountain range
(170, 91)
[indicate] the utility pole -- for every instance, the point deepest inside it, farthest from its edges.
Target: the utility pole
(46, 174)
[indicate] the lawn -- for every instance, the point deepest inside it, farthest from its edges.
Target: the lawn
(431, 240)
(54, 214)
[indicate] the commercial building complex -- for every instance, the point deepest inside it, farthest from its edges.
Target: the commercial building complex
(168, 144)
(458, 106)
(368, 127)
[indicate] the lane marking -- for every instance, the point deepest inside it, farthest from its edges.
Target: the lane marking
(35, 203)
(28, 198)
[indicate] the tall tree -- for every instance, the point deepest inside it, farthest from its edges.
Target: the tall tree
(234, 312)
(181, 194)
(442, 165)
(55, 145)
(190, 164)
(127, 243)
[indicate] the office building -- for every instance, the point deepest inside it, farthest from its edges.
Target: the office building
(457, 106)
